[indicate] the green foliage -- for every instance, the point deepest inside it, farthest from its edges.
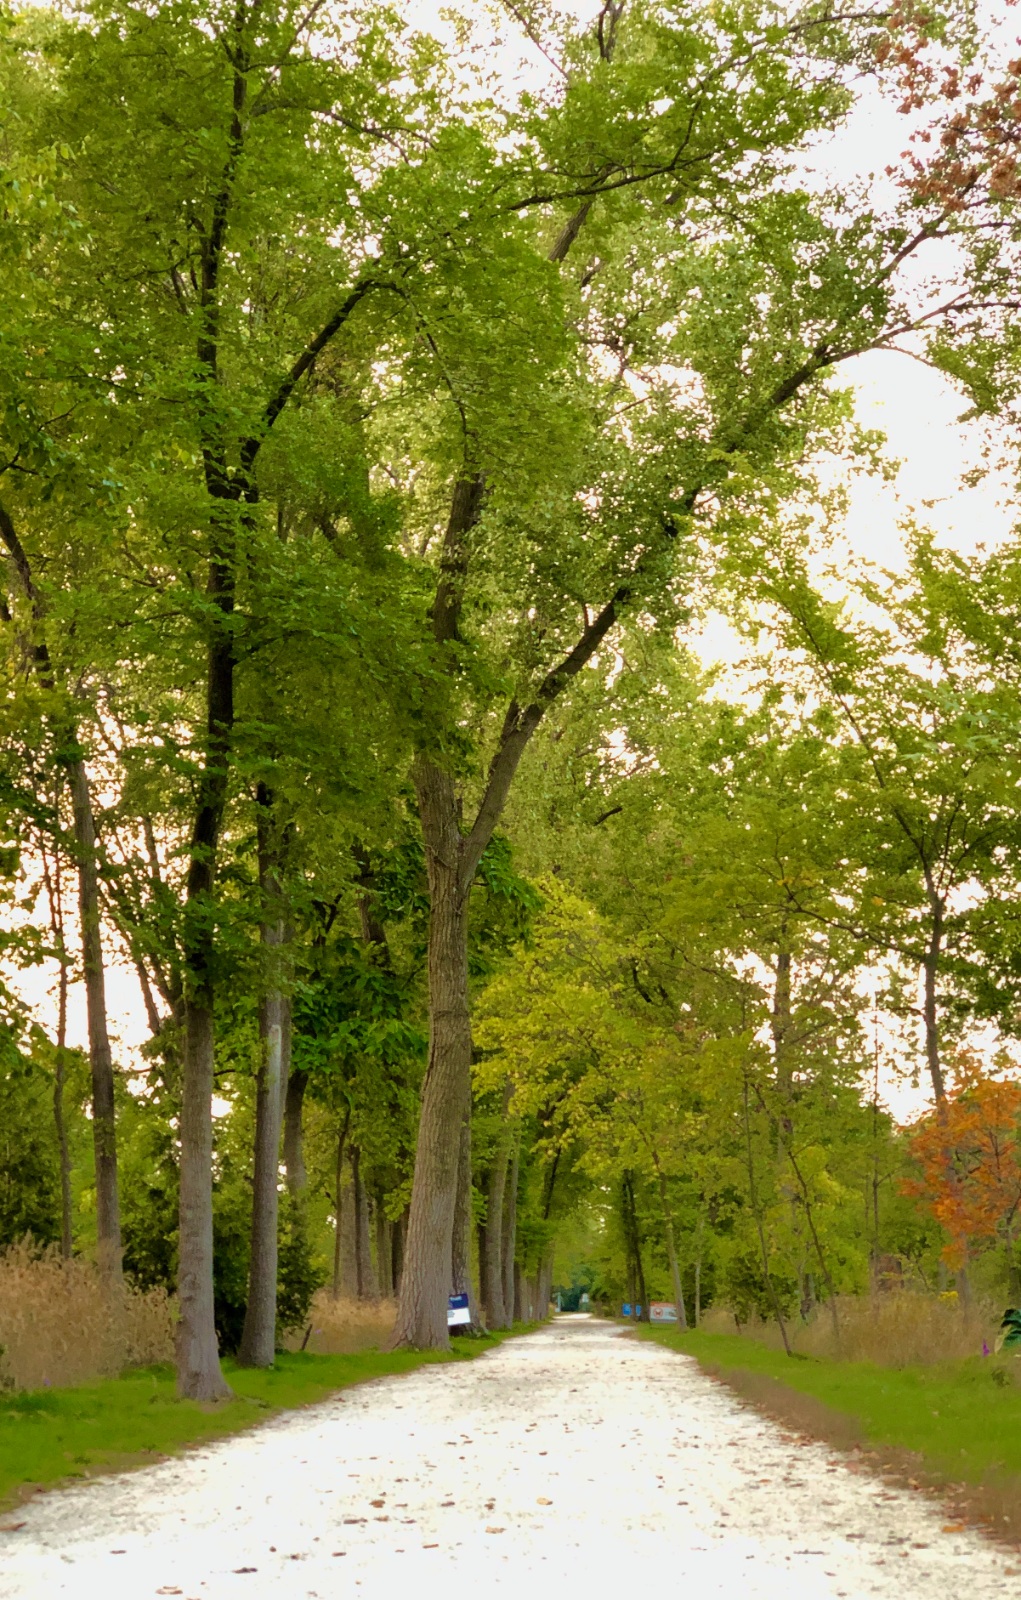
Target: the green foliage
(29, 1158)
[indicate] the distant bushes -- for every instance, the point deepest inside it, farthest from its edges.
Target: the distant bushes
(59, 1324)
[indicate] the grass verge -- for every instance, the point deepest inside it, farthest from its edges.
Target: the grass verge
(953, 1428)
(50, 1435)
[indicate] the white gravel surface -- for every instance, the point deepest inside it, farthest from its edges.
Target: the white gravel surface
(573, 1456)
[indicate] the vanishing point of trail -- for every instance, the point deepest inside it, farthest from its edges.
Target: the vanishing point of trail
(574, 1456)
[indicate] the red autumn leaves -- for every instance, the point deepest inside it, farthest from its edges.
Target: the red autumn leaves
(968, 1154)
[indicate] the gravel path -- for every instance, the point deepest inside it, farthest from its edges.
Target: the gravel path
(574, 1455)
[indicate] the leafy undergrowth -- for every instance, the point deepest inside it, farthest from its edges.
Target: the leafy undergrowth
(53, 1434)
(955, 1426)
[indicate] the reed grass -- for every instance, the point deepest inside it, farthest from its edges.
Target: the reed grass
(60, 1325)
(344, 1326)
(896, 1328)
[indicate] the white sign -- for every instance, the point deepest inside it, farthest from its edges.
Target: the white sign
(458, 1311)
(662, 1311)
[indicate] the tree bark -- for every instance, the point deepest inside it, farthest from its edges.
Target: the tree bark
(759, 1227)
(199, 1375)
(397, 1242)
(198, 1362)
(521, 1310)
(55, 895)
(104, 1126)
(294, 1154)
(510, 1235)
(495, 1314)
(365, 1279)
(258, 1338)
(338, 1210)
(930, 1014)
(498, 1311)
(425, 1284)
(384, 1251)
(460, 1275)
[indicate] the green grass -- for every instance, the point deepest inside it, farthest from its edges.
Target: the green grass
(52, 1434)
(964, 1417)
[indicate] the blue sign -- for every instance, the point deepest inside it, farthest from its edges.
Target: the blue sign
(625, 1309)
(458, 1311)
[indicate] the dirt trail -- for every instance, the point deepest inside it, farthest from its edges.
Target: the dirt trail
(574, 1455)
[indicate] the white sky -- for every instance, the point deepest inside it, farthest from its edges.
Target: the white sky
(917, 409)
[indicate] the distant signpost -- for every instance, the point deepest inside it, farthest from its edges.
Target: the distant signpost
(662, 1311)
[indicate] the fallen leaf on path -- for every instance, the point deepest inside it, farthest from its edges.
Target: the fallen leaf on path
(495, 1530)
(430, 1547)
(377, 1502)
(236, 1569)
(11, 1527)
(954, 1527)
(542, 1501)
(169, 1589)
(340, 1552)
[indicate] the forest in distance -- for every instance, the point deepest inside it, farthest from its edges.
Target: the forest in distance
(388, 395)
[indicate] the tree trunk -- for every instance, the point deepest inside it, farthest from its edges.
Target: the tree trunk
(198, 1361)
(384, 1251)
(482, 1241)
(397, 1242)
(495, 1315)
(199, 1376)
(338, 1209)
(365, 1280)
(294, 1154)
(104, 1127)
(930, 1003)
(510, 1235)
(759, 1227)
(286, 1041)
(258, 1338)
(425, 1285)
(520, 1309)
(460, 1259)
(55, 894)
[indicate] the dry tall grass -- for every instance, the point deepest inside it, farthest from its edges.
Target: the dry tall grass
(59, 1325)
(899, 1328)
(345, 1326)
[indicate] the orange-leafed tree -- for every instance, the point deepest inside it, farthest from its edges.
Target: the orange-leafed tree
(968, 1155)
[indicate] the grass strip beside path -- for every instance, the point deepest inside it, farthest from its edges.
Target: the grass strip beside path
(50, 1435)
(952, 1424)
